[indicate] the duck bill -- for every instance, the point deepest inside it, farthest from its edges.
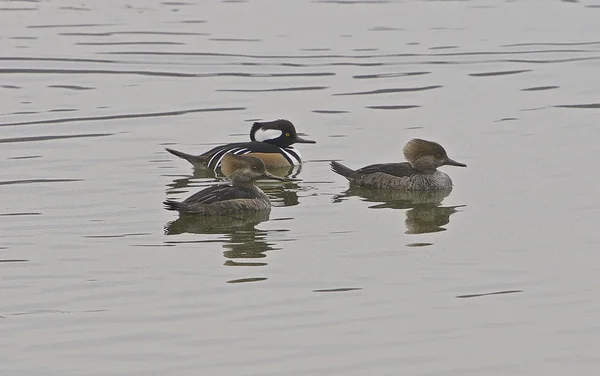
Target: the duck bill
(450, 162)
(268, 175)
(300, 140)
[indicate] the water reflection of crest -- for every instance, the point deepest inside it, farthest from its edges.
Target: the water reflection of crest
(281, 193)
(424, 212)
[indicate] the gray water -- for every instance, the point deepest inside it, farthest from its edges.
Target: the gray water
(497, 278)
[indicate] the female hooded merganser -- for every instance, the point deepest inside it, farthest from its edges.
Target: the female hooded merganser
(418, 174)
(270, 141)
(238, 197)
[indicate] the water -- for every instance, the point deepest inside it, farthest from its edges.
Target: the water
(499, 277)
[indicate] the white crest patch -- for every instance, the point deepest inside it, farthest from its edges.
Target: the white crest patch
(267, 134)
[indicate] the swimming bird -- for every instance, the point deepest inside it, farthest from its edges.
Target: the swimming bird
(271, 141)
(419, 173)
(240, 196)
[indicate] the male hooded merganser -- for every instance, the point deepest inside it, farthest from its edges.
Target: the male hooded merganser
(238, 197)
(418, 174)
(271, 141)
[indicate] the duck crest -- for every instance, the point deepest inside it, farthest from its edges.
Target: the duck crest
(419, 148)
(268, 130)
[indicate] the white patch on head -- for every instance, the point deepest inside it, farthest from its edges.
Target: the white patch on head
(267, 134)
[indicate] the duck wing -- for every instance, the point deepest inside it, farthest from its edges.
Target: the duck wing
(403, 169)
(215, 155)
(218, 193)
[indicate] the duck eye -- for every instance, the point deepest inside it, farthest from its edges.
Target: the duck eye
(287, 135)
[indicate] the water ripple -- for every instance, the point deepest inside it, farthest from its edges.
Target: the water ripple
(67, 25)
(549, 61)
(392, 107)
(116, 236)
(18, 9)
(190, 21)
(388, 75)
(443, 47)
(234, 40)
(499, 73)
(93, 71)
(386, 28)
(112, 33)
(340, 289)
(274, 75)
(330, 112)
(63, 59)
(123, 116)
(246, 280)
(26, 157)
(130, 44)
(585, 106)
(299, 88)
(18, 214)
(343, 56)
(540, 88)
(551, 44)
(352, 2)
(489, 293)
(72, 87)
(389, 91)
(32, 181)
(47, 138)
(155, 73)
(76, 8)
(175, 3)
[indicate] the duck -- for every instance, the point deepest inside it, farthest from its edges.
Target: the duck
(239, 196)
(271, 141)
(419, 172)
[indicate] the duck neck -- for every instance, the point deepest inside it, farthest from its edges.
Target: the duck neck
(422, 167)
(240, 180)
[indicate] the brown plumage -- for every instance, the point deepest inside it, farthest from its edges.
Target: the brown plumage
(419, 173)
(238, 197)
(419, 148)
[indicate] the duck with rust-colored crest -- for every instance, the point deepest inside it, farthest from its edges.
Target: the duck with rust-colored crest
(240, 196)
(419, 173)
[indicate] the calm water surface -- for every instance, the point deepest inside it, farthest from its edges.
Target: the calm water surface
(497, 277)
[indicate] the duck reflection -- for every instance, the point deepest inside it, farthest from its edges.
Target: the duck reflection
(186, 181)
(243, 243)
(281, 193)
(425, 213)
(242, 240)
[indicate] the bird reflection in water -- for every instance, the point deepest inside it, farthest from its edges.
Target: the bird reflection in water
(425, 213)
(241, 239)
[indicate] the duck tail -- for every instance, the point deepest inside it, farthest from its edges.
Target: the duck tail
(173, 205)
(196, 160)
(340, 169)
